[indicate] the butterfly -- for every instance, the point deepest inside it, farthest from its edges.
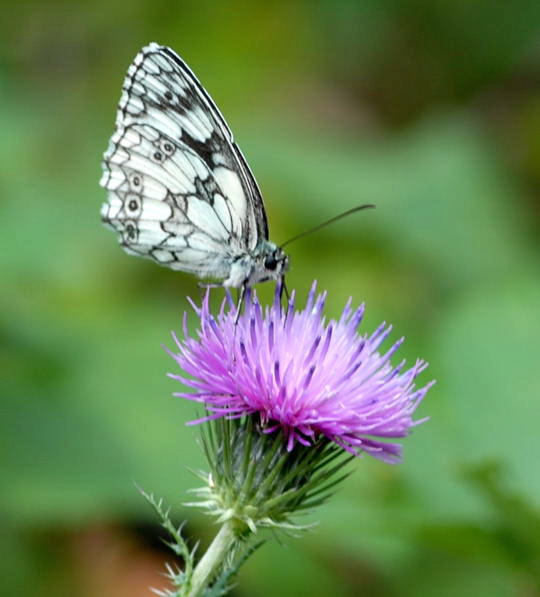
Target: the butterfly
(180, 191)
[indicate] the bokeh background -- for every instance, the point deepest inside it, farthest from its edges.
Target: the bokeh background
(431, 110)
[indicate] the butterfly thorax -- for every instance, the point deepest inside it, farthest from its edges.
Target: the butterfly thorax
(266, 262)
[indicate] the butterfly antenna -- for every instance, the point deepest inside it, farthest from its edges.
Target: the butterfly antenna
(330, 221)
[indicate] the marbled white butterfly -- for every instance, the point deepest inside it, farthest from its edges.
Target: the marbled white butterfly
(180, 190)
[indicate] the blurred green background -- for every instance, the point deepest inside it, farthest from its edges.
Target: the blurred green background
(428, 108)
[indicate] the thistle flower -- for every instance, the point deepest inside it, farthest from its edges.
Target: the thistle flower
(301, 374)
(290, 400)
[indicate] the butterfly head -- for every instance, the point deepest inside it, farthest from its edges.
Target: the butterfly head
(271, 263)
(276, 263)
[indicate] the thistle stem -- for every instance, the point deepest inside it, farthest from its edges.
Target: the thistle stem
(209, 564)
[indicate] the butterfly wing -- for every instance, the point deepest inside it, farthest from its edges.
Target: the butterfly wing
(180, 190)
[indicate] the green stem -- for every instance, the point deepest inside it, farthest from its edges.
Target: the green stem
(213, 558)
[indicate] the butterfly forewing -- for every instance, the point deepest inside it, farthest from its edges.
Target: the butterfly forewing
(180, 191)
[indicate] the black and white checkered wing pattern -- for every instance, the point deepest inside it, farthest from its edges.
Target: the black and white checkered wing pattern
(180, 191)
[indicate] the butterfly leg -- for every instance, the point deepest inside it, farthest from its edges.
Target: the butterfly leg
(242, 292)
(283, 290)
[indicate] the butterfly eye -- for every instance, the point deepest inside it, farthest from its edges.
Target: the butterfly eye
(270, 262)
(158, 156)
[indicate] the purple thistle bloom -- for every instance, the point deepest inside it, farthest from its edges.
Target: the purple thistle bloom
(301, 374)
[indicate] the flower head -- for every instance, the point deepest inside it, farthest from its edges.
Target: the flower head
(301, 374)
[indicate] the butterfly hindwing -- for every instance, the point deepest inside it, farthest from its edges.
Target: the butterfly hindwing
(180, 191)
